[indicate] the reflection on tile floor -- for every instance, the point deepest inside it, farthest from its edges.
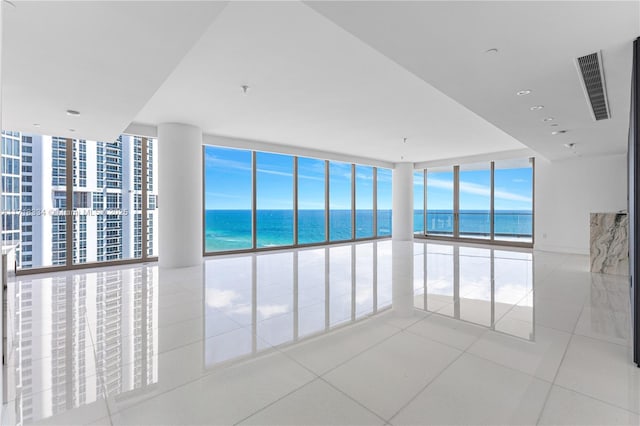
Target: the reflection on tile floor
(497, 336)
(485, 286)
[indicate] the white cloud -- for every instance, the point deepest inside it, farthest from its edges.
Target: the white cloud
(221, 298)
(476, 189)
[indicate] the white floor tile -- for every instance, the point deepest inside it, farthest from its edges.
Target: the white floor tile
(196, 345)
(386, 376)
(326, 352)
(473, 391)
(104, 421)
(223, 398)
(456, 333)
(611, 325)
(555, 313)
(603, 371)
(402, 322)
(565, 407)
(178, 313)
(606, 314)
(74, 413)
(170, 370)
(539, 357)
(179, 334)
(317, 403)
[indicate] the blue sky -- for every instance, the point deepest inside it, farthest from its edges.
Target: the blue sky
(228, 184)
(512, 189)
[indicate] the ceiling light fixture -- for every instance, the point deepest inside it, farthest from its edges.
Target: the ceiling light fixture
(73, 112)
(558, 132)
(36, 124)
(569, 145)
(491, 51)
(554, 125)
(72, 130)
(245, 89)
(547, 119)
(523, 92)
(536, 107)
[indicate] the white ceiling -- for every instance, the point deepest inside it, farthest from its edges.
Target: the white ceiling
(348, 77)
(313, 85)
(104, 59)
(443, 43)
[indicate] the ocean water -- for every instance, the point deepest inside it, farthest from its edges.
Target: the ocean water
(231, 229)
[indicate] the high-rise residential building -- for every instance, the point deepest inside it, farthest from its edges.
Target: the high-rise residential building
(106, 203)
(11, 174)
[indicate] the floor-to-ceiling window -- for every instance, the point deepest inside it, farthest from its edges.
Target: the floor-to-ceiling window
(513, 195)
(384, 204)
(274, 195)
(364, 201)
(475, 200)
(489, 201)
(68, 202)
(258, 200)
(227, 199)
(418, 202)
(440, 198)
(311, 201)
(340, 197)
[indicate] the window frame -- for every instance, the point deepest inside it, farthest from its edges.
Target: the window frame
(67, 224)
(327, 193)
(456, 211)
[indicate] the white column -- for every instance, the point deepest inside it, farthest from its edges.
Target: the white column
(179, 195)
(402, 229)
(402, 239)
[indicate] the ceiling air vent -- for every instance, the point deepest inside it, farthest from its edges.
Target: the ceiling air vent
(590, 68)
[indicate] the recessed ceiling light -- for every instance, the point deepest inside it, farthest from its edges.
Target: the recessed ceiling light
(554, 125)
(558, 132)
(72, 130)
(36, 124)
(523, 92)
(569, 145)
(491, 51)
(245, 89)
(536, 107)
(73, 112)
(547, 119)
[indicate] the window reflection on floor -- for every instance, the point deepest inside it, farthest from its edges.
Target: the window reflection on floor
(485, 286)
(75, 338)
(281, 297)
(78, 337)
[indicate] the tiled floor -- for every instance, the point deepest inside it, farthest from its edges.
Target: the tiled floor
(496, 336)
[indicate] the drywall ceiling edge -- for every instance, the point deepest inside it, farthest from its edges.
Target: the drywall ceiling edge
(140, 129)
(493, 156)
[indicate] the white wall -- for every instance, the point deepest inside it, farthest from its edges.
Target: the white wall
(567, 191)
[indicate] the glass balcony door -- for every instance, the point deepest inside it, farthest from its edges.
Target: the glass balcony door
(441, 200)
(474, 201)
(490, 201)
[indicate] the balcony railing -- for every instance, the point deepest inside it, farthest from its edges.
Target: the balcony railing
(508, 224)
